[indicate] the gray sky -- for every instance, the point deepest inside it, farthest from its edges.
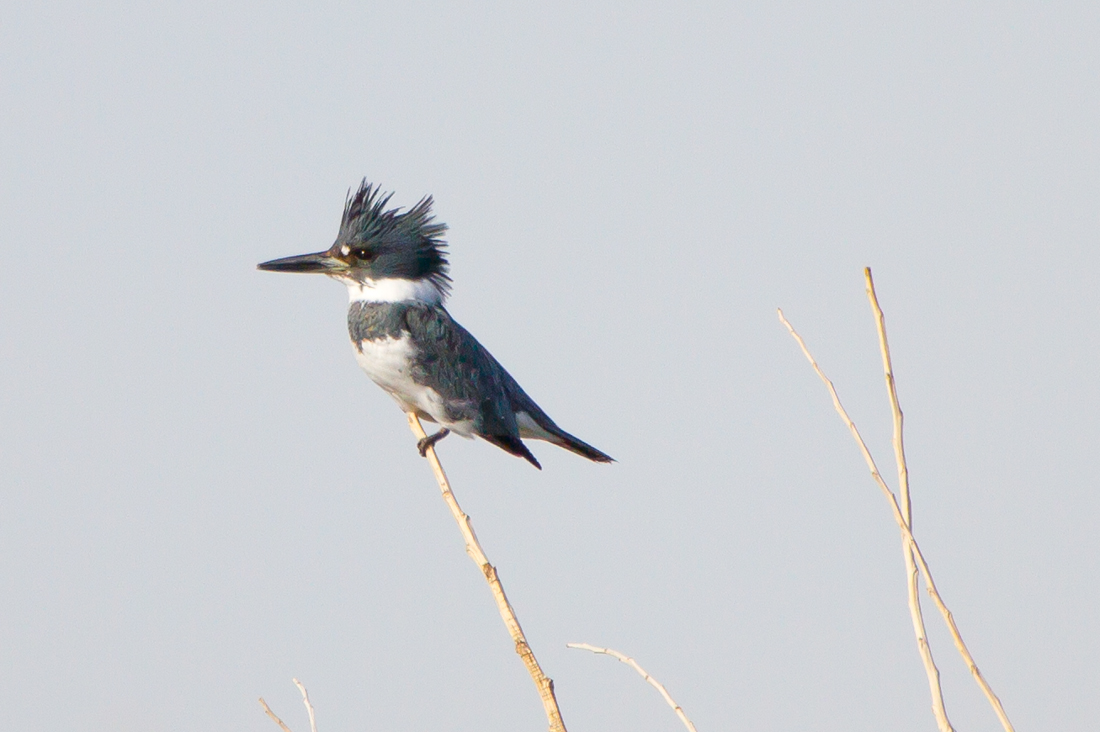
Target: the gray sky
(201, 496)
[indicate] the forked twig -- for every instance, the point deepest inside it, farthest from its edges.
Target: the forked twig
(902, 519)
(644, 674)
(473, 548)
(938, 708)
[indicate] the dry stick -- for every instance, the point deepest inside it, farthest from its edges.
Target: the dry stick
(895, 405)
(473, 548)
(930, 669)
(309, 707)
(912, 580)
(899, 453)
(903, 482)
(272, 715)
(653, 682)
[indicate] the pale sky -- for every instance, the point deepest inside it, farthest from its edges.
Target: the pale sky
(201, 495)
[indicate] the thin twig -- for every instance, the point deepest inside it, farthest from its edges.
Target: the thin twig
(903, 482)
(272, 715)
(309, 707)
(938, 708)
(645, 675)
(911, 579)
(895, 405)
(473, 548)
(907, 536)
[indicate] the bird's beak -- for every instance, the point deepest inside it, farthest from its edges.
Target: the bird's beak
(319, 263)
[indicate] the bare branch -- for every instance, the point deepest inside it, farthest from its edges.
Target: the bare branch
(271, 714)
(911, 579)
(938, 708)
(645, 675)
(309, 707)
(903, 519)
(473, 548)
(895, 405)
(903, 483)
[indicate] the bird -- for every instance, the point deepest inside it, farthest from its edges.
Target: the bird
(394, 264)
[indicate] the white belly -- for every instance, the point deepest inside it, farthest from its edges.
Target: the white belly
(388, 362)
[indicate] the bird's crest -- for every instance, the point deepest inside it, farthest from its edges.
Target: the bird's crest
(412, 238)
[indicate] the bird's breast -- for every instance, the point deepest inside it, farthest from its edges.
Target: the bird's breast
(389, 363)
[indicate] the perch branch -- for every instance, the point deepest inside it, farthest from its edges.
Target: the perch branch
(473, 548)
(652, 681)
(903, 483)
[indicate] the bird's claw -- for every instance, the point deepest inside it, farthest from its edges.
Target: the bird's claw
(424, 443)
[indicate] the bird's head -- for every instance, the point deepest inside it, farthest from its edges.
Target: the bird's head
(381, 254)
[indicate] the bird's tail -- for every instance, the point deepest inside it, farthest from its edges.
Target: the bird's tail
(580, 447)
(536, 424)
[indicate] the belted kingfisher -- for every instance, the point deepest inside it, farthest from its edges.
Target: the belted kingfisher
(395, 269)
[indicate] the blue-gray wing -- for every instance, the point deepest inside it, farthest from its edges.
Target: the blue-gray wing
(473, 385)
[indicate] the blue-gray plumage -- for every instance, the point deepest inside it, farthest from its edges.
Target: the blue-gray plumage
(395, 268)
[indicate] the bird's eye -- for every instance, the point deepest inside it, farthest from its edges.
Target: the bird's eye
(365, 255)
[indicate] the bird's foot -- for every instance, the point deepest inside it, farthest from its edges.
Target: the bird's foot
(424, 443)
